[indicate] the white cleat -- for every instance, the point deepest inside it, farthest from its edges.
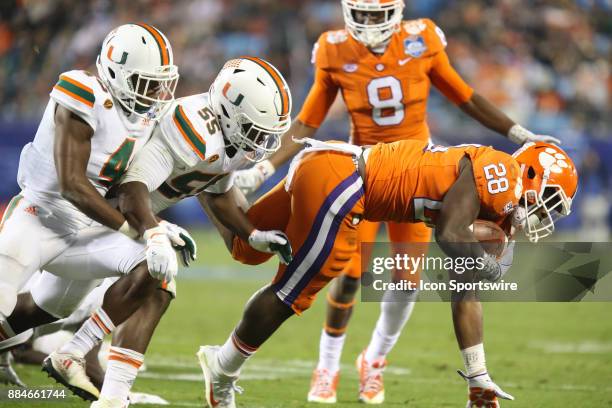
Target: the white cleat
(8, 375)
(105, 402)
(219, 388)
(371, 386)
(69, 370)
(323, 387)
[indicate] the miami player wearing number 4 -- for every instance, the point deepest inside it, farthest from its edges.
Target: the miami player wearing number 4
(92, 128)
(384, 68)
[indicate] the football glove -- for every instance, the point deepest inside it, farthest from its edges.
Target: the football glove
(520, 135)
(273, 242)
(161, 258)
(495, 268)
(182, 241)
(482, 391)
(251, 179)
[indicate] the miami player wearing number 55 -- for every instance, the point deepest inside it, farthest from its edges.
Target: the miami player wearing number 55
(384, 68)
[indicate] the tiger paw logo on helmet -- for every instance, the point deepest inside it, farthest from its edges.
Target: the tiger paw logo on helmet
(553, 160)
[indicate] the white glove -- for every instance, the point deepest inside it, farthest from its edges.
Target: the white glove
(505, 261)
(273, 242)
(251, 179)
(483, 392)
(182, 241)
(161, 258)
(520, 135)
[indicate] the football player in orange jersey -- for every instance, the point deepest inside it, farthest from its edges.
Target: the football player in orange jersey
(384, 68)
(330, 188)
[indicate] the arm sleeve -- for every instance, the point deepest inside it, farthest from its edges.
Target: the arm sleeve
(152, 165)
(323, 91)
(74, 91)
(447, 80)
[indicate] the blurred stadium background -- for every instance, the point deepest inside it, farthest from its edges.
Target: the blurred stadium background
(546, 63)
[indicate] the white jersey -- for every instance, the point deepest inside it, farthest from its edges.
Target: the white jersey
(116, 139)
(186, 155)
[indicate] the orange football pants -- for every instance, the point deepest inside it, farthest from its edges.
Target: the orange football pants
(319, 214)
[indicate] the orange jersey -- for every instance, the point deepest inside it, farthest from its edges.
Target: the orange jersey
(406, 181)
(386, 95)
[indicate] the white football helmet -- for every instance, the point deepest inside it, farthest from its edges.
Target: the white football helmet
(374, 33)
(137, 66)
(253, 104)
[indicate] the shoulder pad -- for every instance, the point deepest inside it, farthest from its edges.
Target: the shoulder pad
(327, 50)
(189, 127)
(79, 91)
(422, 37)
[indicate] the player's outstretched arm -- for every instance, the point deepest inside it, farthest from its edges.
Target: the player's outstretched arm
(71, 152)
(479, 108)
(227, 211)
(449, 82)
(251, 179)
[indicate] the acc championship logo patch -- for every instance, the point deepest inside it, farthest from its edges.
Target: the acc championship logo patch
(415, 46)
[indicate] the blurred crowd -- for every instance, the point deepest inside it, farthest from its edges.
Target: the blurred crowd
(546, 63)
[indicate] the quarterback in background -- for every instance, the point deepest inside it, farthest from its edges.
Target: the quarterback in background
(384, 68)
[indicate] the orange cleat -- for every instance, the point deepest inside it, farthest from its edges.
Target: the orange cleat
(371, 387)
(323, 387)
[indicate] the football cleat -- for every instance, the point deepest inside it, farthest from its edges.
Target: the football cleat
(371, 387)
(219, 388)
(8, 375)
(105, 402)
(69, 370)
(483, 392)
(323, 387)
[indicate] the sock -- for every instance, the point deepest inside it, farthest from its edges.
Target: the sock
(90, 334)
(233, 354)
(330, 350)
(474, 360)
(121, 371)
(396, 308)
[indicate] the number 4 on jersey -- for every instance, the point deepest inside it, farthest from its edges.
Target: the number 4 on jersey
(116, 164)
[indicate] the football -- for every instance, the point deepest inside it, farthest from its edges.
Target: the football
(492, 238)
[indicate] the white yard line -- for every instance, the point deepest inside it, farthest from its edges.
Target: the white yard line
(265, 370)
(582, 347)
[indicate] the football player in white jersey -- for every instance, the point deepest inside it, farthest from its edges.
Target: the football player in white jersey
(91, 129)
(193, 152)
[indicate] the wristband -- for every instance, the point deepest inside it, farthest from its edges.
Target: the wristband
(127, 229)
(266, 168)
(519, 134)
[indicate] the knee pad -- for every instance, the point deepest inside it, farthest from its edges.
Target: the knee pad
(60, 297)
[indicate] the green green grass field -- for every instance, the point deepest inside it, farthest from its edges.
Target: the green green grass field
(546, 355)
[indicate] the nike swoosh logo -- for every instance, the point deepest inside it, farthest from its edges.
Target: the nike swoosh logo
(212, 398)
(403, 61)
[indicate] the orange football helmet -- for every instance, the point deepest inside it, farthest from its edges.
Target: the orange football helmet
(372, 33)
(549, 183)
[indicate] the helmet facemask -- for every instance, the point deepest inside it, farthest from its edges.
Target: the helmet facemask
(152, 94)
(372, 23)
(538, 211)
